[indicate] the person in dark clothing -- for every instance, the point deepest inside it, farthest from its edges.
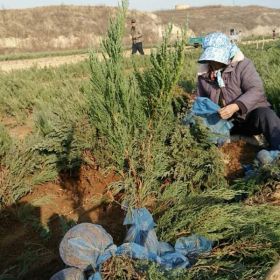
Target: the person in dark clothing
(273, 34)
(230, 79)
(137, 38)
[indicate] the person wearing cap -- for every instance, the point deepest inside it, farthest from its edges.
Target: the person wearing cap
(230, 79)
(136, 36)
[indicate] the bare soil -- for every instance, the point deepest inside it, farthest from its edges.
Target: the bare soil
(18, 131)
(31, 230)
(8, 66)
(236, 155)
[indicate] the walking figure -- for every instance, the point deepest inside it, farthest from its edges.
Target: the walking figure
(273, 34)
(136, 36)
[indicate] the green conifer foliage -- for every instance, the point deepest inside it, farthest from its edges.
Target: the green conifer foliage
(117, 106)
(246, 237)
(157, 82)
(172, 169)
(136, 125)
(5, 141)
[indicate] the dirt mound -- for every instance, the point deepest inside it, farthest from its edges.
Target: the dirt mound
(31, 230)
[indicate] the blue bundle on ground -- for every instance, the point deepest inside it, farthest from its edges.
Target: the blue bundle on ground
(69, 274)
(86, 247)
(263, 158)
(267, 157)
(142, 229)
(142, 232)
(193, 246)
(208, 110)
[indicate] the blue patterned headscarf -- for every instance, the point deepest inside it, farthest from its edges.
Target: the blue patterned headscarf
(218, 47)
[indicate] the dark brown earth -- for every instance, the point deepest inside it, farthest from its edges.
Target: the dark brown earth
(236, 155)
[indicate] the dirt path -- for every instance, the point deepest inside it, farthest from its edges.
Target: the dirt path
(8, 66)
(55, 61)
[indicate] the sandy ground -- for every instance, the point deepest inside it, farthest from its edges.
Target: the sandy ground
(8, 66)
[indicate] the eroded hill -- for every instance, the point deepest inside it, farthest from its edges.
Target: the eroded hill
(75, 27)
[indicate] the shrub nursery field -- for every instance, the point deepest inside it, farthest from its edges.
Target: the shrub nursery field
(80, 141)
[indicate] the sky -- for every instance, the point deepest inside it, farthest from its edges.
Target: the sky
(145, 5)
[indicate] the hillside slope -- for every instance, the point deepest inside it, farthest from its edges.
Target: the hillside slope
(73, 27)
(251, 20)
(66, 27)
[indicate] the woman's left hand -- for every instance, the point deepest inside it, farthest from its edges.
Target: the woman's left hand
(228, 111)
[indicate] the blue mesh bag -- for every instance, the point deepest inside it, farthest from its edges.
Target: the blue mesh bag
(208, 110)
(141, 218)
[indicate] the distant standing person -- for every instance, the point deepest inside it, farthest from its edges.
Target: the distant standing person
(273, 34)
(137, 38)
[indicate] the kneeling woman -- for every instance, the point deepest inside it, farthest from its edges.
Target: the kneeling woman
(230, 79)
